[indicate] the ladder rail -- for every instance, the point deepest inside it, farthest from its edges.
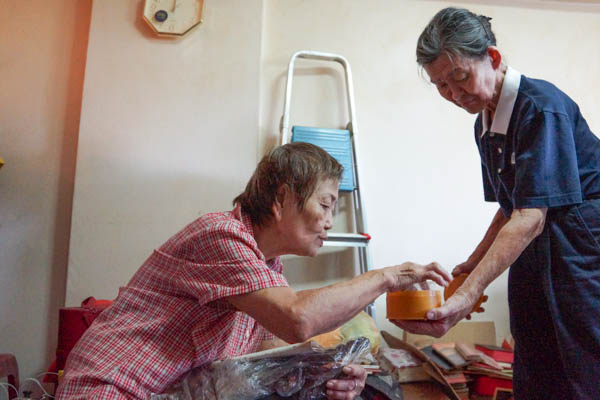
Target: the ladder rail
(285, 129)
(364, 254)
(284, 125)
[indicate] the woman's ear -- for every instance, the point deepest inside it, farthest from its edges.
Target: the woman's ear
(495, 56)
(280, 197)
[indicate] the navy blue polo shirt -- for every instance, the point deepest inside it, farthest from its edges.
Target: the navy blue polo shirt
(539, 151)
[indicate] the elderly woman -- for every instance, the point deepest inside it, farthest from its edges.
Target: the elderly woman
(541, 163)
(215, 290)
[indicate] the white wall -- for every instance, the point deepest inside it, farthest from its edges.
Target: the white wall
(42, 61)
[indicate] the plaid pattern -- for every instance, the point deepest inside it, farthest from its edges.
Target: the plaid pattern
(172, 315)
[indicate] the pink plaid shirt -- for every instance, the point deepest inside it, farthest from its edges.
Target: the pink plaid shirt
(172, 315)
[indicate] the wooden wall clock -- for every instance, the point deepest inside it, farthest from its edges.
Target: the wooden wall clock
(172, 18)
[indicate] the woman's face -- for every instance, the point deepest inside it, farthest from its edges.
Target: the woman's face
(467, 82)
(303, 231)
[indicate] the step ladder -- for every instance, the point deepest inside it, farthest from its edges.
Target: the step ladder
(341, 145)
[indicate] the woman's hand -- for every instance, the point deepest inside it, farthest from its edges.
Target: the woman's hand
(464, 268)
(350, 386)
(441, 319)
(403, 276)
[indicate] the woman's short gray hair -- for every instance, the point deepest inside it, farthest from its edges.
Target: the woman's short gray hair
(298, 165)
(456, 32)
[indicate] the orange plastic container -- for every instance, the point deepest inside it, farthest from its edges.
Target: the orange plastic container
(412, 304)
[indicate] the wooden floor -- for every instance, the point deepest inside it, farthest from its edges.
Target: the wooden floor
(423, 390)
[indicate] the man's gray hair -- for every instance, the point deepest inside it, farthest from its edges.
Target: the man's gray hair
(456, 32)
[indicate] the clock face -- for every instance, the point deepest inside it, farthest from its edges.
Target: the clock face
(172, 17)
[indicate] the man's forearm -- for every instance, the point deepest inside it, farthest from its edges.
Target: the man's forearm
(496, 225)
(510, 241)
(272, 344)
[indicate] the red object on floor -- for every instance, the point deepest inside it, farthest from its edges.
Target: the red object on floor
(486, 385)
(9, 369)
(72, 322)
(50, 373)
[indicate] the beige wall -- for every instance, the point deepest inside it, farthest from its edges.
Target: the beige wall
(168, 132)
(42, 62)
(171, 130)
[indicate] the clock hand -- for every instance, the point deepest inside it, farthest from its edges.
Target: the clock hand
(174, 5)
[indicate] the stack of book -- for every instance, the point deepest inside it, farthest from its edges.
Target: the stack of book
(465, 371)
(452, 365)
(475, 369)
(492, 369)
(403, 365)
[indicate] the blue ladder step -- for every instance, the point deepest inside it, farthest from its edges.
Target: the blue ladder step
(336, 142)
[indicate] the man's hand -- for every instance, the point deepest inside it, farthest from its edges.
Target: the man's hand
(404, 276)
(350, 386)
(441, 319)
(464, 268)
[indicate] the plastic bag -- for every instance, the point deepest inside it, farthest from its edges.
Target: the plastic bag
(361, 325)
(299, 376)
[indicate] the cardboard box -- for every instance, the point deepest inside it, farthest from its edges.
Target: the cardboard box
(482, 332)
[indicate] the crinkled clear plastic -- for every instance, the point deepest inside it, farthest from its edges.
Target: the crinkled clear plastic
(299, 376)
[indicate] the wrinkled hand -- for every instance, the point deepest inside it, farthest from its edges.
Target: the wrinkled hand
(464, 268)
(350, 386)
(441, 319)
(406, 275)
(479, 309)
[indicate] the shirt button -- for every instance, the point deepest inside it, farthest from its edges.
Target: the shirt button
(500, 150)
(247, 334)
(499, 170)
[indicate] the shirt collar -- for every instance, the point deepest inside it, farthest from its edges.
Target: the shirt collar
(506, 103)
(274, 263)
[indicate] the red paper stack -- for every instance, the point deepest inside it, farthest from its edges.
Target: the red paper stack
(494, 374)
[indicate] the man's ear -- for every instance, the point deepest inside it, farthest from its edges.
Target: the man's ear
(277, 208)
(495, 56)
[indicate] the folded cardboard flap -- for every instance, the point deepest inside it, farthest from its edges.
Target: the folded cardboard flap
(430, 367)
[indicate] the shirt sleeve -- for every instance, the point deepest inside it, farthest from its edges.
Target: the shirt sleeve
(546, 169)
(235, 268)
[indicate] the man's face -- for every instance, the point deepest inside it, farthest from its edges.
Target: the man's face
(467, 82)
(305, 230)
